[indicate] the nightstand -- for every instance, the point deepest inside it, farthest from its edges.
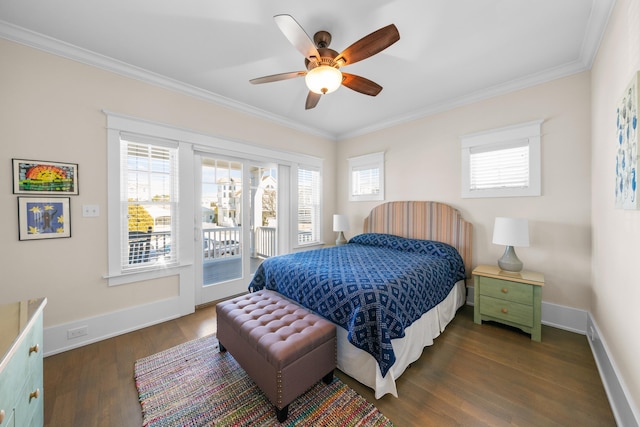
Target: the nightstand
(513, 299)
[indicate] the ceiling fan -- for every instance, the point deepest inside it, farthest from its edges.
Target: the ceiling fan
(323, 65)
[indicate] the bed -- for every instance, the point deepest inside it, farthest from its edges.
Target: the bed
(391, 290)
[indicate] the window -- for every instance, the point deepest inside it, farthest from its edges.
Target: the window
(366, 177)
(151, 191)
(309, 195)
(502, 162)
(149, 197)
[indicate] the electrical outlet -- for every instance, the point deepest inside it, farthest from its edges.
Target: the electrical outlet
(90, 210)
(77, 332)
(592, 333)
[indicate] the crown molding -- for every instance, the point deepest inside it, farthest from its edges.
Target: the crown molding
(66, 50)
(600, 12)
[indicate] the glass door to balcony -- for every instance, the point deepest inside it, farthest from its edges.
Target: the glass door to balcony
(238, 224)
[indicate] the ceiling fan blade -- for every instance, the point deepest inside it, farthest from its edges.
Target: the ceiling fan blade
(297, 36)
(277, 77)
(312, 100)
(360, 84)
(369, 45)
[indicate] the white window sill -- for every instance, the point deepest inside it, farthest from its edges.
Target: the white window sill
(144, 274)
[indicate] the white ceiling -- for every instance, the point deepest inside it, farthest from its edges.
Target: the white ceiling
(450, 52)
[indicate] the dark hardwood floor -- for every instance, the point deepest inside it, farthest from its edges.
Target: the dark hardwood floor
(474, 375)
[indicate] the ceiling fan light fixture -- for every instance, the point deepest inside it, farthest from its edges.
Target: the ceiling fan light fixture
(323, 79)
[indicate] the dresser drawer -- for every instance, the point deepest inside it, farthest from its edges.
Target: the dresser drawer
(21, 379)
(29, 406)
(510, 291)
(7, 418)
(25, 360)
(510, 311)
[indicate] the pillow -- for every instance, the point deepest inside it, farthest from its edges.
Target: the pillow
(426, 247)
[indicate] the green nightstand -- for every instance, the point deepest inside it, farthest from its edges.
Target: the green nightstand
(513, 299)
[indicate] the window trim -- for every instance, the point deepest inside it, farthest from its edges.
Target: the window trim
(369, 161)
(530, 132)
(190, 142)
(117, 127)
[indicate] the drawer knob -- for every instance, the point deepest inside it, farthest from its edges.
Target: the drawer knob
(34, 394)
(504, 290)
(34, 349)
(1, 415)
(504, 310)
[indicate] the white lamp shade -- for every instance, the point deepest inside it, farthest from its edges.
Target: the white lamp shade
(511, 232)
(340, 223)
(323, 79)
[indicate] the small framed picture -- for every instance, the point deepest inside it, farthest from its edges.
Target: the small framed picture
(43, 218)
(47, 178)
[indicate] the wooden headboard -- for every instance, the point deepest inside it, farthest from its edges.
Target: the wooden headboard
(423, 220)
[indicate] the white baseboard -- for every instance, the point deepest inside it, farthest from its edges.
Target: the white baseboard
(581, 322)
(558, 316)
(624, 410)
(98, 328)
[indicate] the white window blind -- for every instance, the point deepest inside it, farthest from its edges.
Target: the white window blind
(500, 166)
(365, 181)
(503, 162)
(366, 177)
(149, 198)
(309, 194)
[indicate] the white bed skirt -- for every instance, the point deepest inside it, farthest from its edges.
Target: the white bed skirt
(361, 366)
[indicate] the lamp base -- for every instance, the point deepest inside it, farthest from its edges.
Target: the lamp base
(509, 260)
(340, 240)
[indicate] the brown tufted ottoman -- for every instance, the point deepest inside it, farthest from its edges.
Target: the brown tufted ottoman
(283, 347)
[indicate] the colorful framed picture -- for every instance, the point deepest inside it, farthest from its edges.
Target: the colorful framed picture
(43, 218)
(38, 177)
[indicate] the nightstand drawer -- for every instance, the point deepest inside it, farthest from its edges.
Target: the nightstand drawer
(514, 312)
(510, 291)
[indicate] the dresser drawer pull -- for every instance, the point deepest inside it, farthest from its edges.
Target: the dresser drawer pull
(34, 394)
(1, 415)
(504, 310)
(34, 349)
(504, 290)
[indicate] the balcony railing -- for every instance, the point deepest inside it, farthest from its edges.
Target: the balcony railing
(221, 242)
(217, 243)
(148, 247)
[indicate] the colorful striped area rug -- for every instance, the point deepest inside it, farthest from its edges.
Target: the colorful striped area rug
(193, 384)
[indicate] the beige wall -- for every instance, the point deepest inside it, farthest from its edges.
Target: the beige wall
(616, 232)
(423, 163)
(51, 109)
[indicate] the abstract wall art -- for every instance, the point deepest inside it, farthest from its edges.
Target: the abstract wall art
(626, 192)
(43, 218)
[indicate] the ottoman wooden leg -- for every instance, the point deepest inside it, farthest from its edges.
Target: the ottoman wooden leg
(328, 378)
(222, 349)
(282, 414)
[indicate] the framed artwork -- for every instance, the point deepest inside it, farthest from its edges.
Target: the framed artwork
(43, 218)
(38, 177)
(626, 191)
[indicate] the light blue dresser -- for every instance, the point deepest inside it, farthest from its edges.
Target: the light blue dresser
(21, 380)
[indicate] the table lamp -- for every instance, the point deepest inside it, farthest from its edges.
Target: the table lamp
(340, 225)
(510, 232)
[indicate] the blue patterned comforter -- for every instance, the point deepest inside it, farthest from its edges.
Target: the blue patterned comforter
(375, 286)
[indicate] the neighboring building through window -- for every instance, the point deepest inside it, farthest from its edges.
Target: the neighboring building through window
(502, 162)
